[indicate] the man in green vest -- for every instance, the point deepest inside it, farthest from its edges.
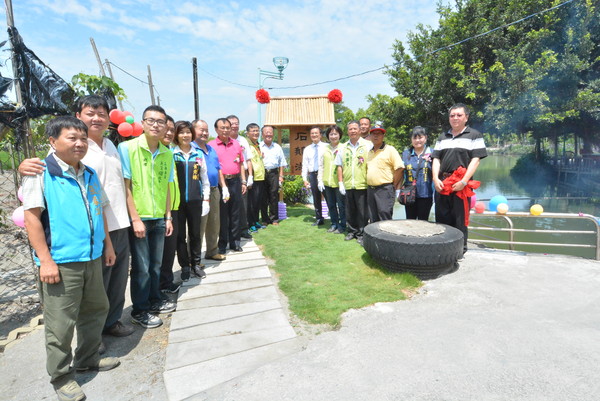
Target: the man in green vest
(352, 176)
(148, 170)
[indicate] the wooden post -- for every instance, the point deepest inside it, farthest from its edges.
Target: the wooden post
(151, 85)
(195, 74)
(28, 149)
(100, 66)
(111, 77)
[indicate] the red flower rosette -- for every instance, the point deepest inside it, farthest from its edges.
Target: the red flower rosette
(335, 96)
(263, 96)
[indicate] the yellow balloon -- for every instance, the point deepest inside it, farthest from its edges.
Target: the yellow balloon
(536, 210)
(502, 208)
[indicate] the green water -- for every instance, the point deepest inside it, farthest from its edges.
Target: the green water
(494, 174)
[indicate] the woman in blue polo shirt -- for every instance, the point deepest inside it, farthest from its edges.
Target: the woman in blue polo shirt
(417, 160)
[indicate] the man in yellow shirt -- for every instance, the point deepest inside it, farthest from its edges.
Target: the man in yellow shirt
(384, 174)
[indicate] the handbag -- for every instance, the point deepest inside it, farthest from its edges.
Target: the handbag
(408, 194)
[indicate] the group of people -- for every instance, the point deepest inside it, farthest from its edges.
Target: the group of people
(361, 179)
(161, 194)
(146, 200)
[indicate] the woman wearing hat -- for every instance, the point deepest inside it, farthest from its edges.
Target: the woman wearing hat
(417, 160)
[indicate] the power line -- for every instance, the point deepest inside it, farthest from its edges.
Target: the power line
(399, 62)
(132, 76)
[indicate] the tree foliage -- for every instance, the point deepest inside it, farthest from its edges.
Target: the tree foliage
(540, 76)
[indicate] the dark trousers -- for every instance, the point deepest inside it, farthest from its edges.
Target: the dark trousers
(316, 194)
(419, 210)
(230, 215)
(336, 203)
(168, 257)
(244, 211)
(356, 211)
(255, 201)
(381, 202)
(270, 210)
(116, 276)
(450, 210)
(189, 214)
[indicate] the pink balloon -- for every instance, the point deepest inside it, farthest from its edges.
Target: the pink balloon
(20, 194)
(473, 201)
(138, 128)
(18, 216)
(125, 129)
(116, 116)
(479, 207)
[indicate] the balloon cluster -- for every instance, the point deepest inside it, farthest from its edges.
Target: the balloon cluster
(126, 124)
(18, 216)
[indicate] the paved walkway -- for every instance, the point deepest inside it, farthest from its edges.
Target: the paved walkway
(229, 325)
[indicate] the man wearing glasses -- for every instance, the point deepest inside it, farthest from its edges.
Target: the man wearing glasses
(148, 169)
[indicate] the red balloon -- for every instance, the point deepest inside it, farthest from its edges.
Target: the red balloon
(127, 113)
(479, 207)
(125, 129)
(117, 116)
(137, 128)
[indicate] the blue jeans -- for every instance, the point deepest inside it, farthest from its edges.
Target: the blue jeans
(146, 258)
(336, 203)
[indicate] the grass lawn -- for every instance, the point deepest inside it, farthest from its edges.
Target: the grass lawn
(321, 274)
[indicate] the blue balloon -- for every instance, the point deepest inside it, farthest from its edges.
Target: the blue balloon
(495, 201)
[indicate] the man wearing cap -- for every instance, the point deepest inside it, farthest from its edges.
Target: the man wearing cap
(461, 146)
(384, 173)
(352, 175)
(310, 171)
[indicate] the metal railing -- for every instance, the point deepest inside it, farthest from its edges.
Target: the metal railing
(511, 230)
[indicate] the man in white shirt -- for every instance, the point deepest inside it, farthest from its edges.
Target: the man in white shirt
(310, 171)
(274, 161)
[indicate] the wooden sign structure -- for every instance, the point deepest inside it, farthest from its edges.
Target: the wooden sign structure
(298, 114)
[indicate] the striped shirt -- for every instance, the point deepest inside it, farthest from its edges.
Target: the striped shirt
(459, 150)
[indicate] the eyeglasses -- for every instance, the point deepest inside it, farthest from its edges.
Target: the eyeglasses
(151, 122)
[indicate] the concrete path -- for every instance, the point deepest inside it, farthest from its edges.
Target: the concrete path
(229, 325)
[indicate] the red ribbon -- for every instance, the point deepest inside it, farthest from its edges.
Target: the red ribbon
(464, 193)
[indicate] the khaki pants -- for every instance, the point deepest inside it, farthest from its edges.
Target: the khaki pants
(211, 224)
(78, 300)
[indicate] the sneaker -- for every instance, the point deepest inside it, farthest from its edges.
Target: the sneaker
(349, 237)
(118, 330)
(146, 320)
(359, 240)
(163, 306)
(259, 226)
(253, 229)
(332, 229)
(103, 365)
(199, 271)
(172, 288)
(339, 231)
(70, 391)
(185, 273)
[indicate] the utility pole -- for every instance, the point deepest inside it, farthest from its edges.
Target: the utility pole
(151, 85)
(111, 77)
(28, 149)
(195, 73)
(102, 73)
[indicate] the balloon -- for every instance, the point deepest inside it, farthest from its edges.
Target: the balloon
(502, 208)
(479, 207)
(127, 113)
(18, 216)
(20, 194)
(129, 119)
(137, 128)
(495, 201)
(536, 210)
(473, 201)
(125, 129)
(117, 116)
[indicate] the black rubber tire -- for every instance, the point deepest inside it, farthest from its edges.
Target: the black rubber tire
(426, 257)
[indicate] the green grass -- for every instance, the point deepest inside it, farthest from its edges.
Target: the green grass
(322, 275)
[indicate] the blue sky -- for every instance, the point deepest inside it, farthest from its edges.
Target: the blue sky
(324, 40)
